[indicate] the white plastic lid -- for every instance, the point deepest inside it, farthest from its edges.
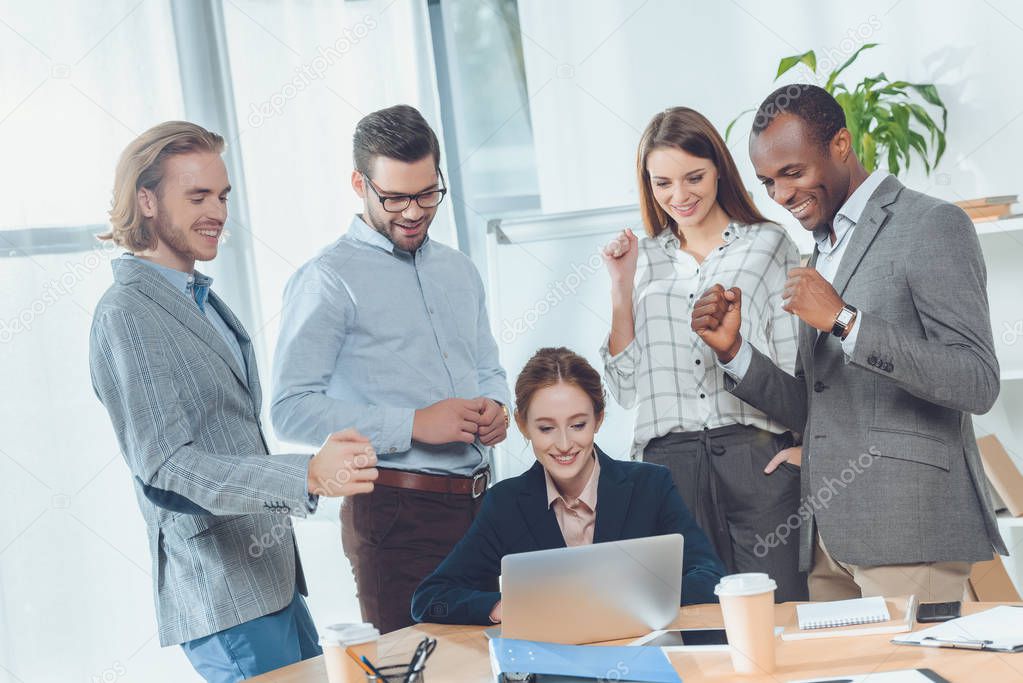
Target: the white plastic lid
(348, 634)
(735, 585)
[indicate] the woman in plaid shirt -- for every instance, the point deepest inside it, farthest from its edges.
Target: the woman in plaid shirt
(702, 228)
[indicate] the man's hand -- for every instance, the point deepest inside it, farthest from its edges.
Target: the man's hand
(808, 295)
(621, 255)
(344, 466)
(448, 421)
(495, 613)
(716, 318)
(493, 424)
(793, 456)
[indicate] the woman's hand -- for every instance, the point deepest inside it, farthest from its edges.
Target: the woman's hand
(793, 456)
(495, 614)
(621, 255)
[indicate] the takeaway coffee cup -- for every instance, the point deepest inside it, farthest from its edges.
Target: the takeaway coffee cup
(336, 639)
(747, 604)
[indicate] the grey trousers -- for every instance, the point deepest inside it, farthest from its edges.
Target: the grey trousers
(720, 475)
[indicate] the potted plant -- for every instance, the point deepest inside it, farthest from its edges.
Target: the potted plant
(887, 123)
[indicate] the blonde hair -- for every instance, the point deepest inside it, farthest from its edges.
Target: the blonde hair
(141, 166)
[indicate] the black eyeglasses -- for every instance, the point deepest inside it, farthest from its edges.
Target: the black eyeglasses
(396, 203)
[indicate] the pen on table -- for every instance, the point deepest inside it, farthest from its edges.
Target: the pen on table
(375, 671)
(351, 653)
(955, 644)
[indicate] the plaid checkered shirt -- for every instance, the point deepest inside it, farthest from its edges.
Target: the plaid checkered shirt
(666, 371)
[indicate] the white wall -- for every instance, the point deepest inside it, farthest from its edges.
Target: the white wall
(599, 69)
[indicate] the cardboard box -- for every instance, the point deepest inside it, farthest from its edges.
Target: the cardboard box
(1005, 477)
(989, 582)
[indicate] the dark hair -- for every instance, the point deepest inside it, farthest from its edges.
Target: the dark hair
(814, 105)
(547, 367)
(399, 132)
(688, 130)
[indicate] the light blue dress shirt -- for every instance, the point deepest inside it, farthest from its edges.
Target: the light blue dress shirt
(828, 259)
(183, 282)
(371, 333)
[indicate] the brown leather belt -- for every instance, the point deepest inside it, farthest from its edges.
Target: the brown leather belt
(435, 483)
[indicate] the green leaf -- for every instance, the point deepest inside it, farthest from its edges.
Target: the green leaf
(918, 143)
(808, 58)
(728, 130)
(930, 95)
(869, 156)
(893, 160)
(937, 135)
(921, 115)
(834, 74)
(900, 117)
(869, 83)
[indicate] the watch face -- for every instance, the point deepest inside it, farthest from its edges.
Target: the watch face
(844, 316)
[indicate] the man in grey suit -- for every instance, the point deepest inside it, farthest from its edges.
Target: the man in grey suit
(177, 373)
(895, 353)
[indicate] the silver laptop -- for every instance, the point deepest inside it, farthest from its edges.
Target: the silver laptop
(592, 593)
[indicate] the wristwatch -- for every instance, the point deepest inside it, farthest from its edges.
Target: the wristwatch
(843, 321)
(507, 415)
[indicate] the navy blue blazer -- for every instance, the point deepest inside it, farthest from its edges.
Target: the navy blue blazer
(634, 500)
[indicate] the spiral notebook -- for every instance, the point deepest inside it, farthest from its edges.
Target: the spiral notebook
(858, 620)
(842, 613)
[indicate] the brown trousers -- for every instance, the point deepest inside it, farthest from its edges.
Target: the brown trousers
(929, 581)
(394, 538)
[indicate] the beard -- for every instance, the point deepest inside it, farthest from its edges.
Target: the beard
(172, 236)
(382, 222)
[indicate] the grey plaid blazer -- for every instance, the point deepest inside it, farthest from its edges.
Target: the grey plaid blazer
(187, 420)
(891, 473)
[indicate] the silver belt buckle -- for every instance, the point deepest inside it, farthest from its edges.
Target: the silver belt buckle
(479, 483)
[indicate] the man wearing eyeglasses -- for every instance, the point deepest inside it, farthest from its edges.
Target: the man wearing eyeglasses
(386, 331)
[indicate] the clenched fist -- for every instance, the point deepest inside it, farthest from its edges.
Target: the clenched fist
(621, 255)
(344, 466)
(448, 421)
(493, 426)
(812, 298)
(716, 318)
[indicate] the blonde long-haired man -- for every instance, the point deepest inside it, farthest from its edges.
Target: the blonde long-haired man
(177, 373)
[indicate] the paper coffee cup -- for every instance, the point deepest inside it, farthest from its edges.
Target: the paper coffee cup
(336, 639)
(747, 605)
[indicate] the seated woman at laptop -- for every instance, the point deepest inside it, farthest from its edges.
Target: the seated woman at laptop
(573, 495)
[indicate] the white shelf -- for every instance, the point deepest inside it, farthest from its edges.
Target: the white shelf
(1007, 521)
(999, 227)
(1011, 375)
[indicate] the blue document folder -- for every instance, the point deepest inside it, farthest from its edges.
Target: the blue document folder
(629, 663)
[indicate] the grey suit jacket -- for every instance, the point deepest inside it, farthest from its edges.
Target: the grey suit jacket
(187, 420)
(891, 472)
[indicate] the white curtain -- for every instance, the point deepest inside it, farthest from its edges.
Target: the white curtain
(80, 80)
